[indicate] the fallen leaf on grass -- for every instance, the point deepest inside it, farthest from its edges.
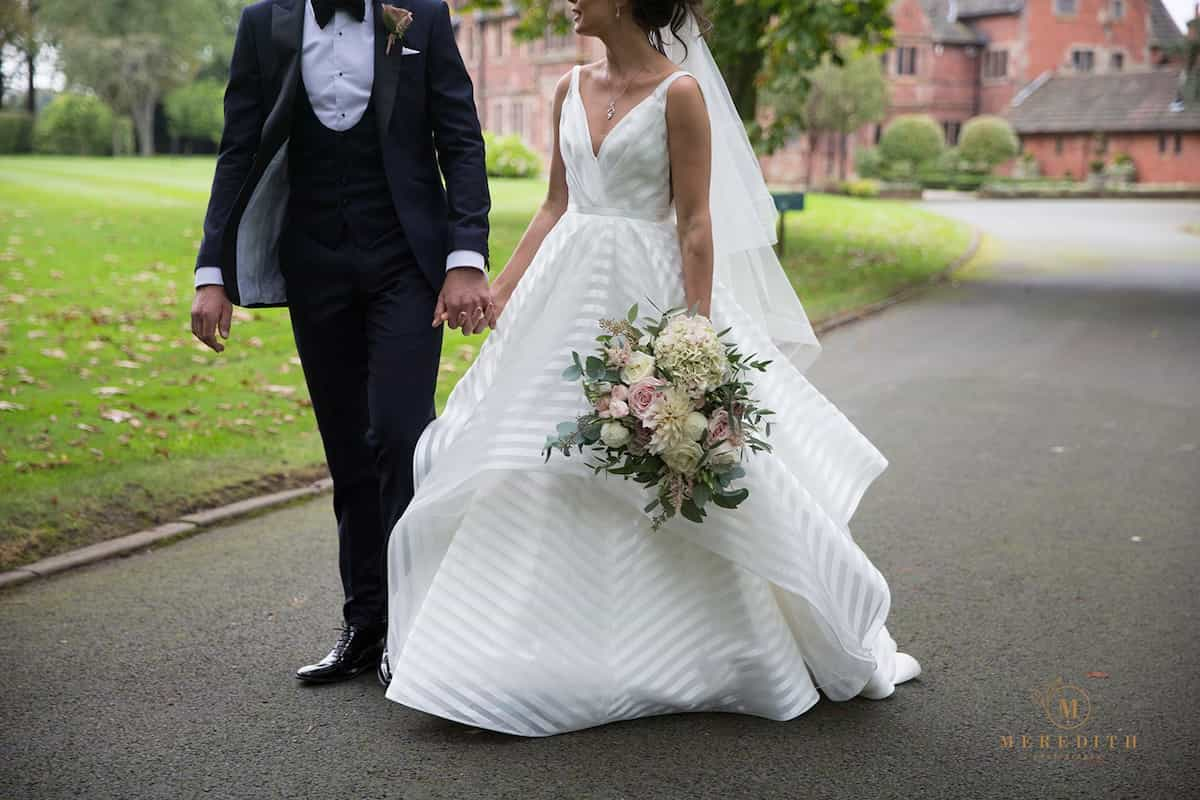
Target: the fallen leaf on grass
(54, 352)
(108, 391)
(7, 406)
(1097, 674)
(117, 415)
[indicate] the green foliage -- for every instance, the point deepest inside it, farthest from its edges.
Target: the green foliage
(16, 132)
(988, 141)
(756, 43)
(911, 141)
(75, 124)
(131, 52)
(868, 162)
(196, 111)
(864, 187)
(834, 98)
(509, 157)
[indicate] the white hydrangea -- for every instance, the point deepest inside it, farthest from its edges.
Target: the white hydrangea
(688, 348)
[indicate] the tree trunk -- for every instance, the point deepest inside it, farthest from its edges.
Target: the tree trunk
(808, 165)
(143, 120)
(116, 137)
(841, 156)
(30, 97)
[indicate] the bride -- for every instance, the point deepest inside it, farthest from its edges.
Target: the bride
(531, 597)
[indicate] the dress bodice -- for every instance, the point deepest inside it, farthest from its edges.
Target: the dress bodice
(630, 175)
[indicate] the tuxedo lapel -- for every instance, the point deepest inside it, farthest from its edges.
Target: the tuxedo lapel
(287, 27)
(387, 66)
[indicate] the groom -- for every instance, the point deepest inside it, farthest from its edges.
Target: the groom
(327, 199)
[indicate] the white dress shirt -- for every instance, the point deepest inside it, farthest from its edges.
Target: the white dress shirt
(337, 65)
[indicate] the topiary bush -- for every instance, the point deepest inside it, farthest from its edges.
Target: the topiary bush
(74, 124)
(16, 132)
(987, 141)
(509, 157)
(911, 141)
(864, 187)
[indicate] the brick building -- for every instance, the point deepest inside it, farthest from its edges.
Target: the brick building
(953, 59)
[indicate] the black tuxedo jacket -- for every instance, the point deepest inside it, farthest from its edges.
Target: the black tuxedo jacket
(427, 123)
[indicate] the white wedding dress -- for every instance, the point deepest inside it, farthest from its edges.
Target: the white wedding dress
(532, 598)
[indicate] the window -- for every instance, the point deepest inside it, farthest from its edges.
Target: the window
(878, 133)
(883, 61)
(500, 39)
(518, 118)
(1058, 145)
(1101, 143)
(1118, 9)
(1117, 62)
(558, 41)
(1162, 143)
(906, 61)
(1065, 7)
(995, 64)
(1178, 143)
(1083, 60)
(951, 130)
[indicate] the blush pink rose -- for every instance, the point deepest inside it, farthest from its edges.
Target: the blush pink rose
(620, 392)
(602, 406)
(718, 427)
(618, 409)
(643, 394)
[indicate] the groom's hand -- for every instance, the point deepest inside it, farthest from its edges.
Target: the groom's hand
(464, 300)
(211, 312)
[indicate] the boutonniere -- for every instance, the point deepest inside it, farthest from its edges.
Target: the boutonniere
(396, 21)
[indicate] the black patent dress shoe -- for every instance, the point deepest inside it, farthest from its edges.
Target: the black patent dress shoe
(384, 670)
(357, 650)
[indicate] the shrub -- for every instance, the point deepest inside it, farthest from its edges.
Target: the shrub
(1096, 165)
(864, 187)
(988, 141)
(868, 163)
(74, 124)
(123, 139)
(915, 139)
(16, 132)
(509, 157)
(196, 111)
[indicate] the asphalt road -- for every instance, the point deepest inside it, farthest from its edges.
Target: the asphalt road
(1039, 414)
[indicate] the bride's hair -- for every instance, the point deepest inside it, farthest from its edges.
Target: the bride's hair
(654, 15)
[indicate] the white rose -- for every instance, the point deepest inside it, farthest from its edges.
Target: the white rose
(723, 454)
(614, 434)
(640, 366)
(685, 458)
(695, 426)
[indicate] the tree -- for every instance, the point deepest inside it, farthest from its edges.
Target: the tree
(18, 29)
(756, 43)
(132, 52)
(838, 101)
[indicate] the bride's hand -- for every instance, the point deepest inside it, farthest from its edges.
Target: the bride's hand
(501, 291)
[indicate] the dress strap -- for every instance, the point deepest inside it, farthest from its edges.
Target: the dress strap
(661, 90)
(574, 86)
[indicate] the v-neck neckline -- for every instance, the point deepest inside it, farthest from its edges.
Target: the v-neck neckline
(587, 123)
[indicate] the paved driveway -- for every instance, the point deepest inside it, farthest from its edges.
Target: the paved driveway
(1038, 521)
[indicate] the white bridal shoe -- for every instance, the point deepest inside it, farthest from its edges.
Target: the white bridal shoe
(879, 687)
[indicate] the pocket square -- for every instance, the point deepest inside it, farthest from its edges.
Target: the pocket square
(408, 51)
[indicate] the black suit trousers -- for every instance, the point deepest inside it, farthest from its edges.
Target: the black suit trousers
(362, 323)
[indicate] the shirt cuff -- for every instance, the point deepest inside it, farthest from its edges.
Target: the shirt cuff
(208, 275)
(465, 258)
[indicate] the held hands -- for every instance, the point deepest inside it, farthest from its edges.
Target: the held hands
(466, 301)
(211, 313)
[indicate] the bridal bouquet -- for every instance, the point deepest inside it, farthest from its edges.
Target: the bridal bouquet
(671, 409)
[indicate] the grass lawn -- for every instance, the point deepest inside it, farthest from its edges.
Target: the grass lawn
(114, 418)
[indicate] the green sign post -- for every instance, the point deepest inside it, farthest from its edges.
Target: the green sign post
(785, 202)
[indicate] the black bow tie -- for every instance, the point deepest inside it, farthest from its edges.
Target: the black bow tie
(323, 9)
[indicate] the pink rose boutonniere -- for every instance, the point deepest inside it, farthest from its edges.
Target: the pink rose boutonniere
(396, 21)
